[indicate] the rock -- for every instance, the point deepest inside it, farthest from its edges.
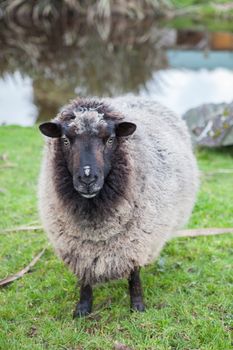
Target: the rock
(211, 125)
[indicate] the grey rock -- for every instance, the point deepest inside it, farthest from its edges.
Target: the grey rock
(211, 125)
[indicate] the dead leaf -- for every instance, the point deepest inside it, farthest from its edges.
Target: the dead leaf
(4, 157)
(22, 272)
(120, 346)
(161, 306)
(32, 332)
(6, 164)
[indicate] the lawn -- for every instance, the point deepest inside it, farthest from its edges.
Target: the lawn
(188, 291)
(202, 15)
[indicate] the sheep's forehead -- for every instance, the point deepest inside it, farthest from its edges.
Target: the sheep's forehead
(89, 121)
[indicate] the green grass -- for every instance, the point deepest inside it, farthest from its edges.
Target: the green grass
(200, 23)
(201, 15)
(188, 291)
(184, 3)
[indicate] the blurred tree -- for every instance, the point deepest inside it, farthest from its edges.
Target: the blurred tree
(67, 60)
(92, 9)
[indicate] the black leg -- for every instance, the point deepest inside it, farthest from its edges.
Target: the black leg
(84, 306)
(135, 291)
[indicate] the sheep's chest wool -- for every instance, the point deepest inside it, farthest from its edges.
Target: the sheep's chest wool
(153, 188)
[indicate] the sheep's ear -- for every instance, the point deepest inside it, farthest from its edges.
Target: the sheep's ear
(125, 129)
(51, 129)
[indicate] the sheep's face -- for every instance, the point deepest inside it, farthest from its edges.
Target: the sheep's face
(88, 145)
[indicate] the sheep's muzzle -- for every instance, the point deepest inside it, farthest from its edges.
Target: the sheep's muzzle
(88, 181)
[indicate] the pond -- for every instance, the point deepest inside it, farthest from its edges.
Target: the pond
(41, 68)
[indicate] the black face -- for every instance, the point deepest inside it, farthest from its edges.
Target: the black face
(88, 153)
(89, 160)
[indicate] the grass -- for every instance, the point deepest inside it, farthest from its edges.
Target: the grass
(200, 23)
(202, 15)
(184, 3)
(188, 291)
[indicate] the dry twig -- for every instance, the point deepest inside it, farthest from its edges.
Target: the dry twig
(7, 165)
(203, 232)
(22, 228)
(22, 272)
(217, 172)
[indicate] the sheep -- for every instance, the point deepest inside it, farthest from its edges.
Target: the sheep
(118, 178)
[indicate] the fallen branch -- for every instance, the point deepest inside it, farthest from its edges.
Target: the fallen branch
(217, 172)
(22, 272)
(22, 228)
(203, 232)
(180, 233)
(9, 165)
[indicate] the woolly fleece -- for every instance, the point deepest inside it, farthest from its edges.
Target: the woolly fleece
(159, 199)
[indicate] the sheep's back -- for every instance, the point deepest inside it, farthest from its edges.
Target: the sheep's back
(166, 175)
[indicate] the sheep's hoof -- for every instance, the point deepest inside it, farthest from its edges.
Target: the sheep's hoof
(137, 306)
(82, 309)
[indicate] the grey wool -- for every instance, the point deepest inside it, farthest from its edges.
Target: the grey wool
(102, 241)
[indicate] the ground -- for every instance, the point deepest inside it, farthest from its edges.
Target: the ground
(188, 291)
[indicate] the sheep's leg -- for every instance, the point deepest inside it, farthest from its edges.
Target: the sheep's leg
(135, 291)
(84, 306)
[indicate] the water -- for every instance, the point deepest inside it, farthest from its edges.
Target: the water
(184, 89)
(14, 87)
(41, 69)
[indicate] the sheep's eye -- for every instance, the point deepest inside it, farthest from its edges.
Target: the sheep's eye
(110, 140)
(66, 142)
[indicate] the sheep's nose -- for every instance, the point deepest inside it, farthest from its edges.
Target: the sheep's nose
(87, 170)
(87, 177)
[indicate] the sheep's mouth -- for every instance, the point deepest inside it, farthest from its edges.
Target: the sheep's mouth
(88, 195)
(87, 191)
